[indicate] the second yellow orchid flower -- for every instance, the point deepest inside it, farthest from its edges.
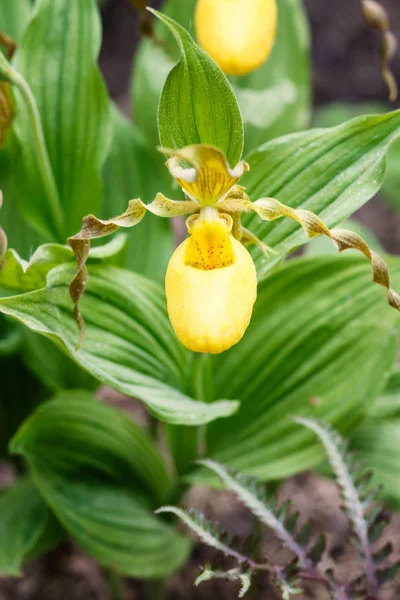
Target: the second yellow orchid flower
(211, 282)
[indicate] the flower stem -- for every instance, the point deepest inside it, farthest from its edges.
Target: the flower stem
(115, 585)
(42, 155)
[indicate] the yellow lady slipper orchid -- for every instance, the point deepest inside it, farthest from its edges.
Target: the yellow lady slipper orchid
(237, 34)
(211, 282)
(211, 285)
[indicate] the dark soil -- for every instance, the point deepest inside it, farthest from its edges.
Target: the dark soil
(345, 68)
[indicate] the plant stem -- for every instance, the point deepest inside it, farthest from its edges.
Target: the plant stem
(155, 590)
(115, 585)
(56, 212)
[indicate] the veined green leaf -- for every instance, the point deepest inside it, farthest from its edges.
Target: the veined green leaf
(388, 403)
(131, 171)
(89, 435)
(208, 110)
(334, 114)
(20, 275)
(20, 391)
(377, 440)
(57, 57)
(129, 345)
(14, 17)
(102, 476)
(321, 343)
(331, 172)
(26, 527)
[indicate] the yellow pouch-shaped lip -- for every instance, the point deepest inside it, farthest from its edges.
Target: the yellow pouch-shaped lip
(210, 310)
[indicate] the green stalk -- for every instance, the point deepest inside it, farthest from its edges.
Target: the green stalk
(8, 73)
(186, 444)
(115, 585)
(42, 155)
(155, 590)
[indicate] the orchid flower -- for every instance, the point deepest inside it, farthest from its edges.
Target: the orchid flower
(211, 281)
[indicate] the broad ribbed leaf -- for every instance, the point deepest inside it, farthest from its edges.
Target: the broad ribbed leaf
(129, 345)
(388, 403)
(334, 114)
(378, 442)
(20, 391)
(27, 528)
(208, 111)
(20, 275)
(57, 57)
(321, 343)
(331, 172)
(102, 476)
(58, 431)
(377, 439)
(131, 171)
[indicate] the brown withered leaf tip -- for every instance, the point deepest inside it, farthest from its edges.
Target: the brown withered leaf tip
(6, 111)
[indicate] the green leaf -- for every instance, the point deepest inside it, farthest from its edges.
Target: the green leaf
(276, 99)
(321, 343)
(102, 476)
(378, 442)
(376, 439)
(208, 110)
(27, 528)
(131, 171)
(65, 374)
(130, 344)
(331, 172)
(21, 237)
(334, 114)
(112, 443)
(24, 276)
(57, 57)
(20, 391)
(14, 17)
(388, 403)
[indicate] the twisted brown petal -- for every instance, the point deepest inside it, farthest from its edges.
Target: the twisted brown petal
(270, 209)
(376, 16)
(92, 228)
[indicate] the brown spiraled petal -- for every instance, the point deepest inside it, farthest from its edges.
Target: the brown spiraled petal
(376, 16)
(388, 50)
(6, 111)
(3, 239)
(92, 228)
(270, 209)
(78, 284)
